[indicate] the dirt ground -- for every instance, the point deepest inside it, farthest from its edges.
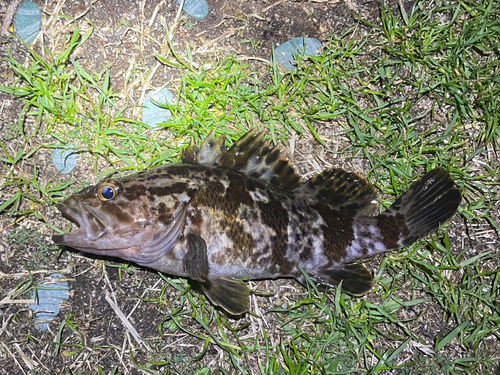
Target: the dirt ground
(124, 38)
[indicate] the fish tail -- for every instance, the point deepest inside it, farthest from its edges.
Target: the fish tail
(429, 202)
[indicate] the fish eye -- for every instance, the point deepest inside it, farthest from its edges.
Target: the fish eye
(108, 190)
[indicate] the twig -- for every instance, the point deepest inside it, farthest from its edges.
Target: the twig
(140, 299)
(176, 21)
(9, 15)
(273, 5)
(155, 13)
(126, 322)
(14, 358)
(243, 58)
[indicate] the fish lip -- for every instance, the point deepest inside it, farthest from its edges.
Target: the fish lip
(70, 213)
(61, 239)
(76, 212)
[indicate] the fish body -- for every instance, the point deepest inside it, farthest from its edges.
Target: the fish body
(223, 215)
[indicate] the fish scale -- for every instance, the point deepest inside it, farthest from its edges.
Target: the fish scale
(223, 215)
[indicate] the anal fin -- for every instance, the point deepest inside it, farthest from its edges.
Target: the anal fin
(230, 294)
(356, 279)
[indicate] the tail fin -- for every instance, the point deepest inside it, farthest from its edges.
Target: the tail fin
(430, 201)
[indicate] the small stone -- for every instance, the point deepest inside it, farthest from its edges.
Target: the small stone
(196, 9)
(47, 301)
(153, 114)
(64, 159)
(286, 53)
(27, 21)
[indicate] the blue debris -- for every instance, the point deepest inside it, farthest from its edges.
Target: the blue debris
(64, 159)
(27, 21)
(153, 114)
(286, 53)
(197, 9)
(46, 306)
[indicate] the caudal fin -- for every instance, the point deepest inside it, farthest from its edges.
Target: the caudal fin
(429, 202)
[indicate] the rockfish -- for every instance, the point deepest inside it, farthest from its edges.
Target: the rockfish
(222, 215)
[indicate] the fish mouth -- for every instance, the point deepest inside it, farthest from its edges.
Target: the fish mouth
(92, 224)
(93, 236)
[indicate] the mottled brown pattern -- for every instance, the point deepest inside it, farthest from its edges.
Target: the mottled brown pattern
(120, 213)
(234, 205)
(239, 189)
(134, 192)
(393, 229)
(228, 202)
(300, 232)
(341, 190)
(176, 188)
(306, 249)
(195, 172)
(216, 190)
(338, 232)
(165, 219)
(221, 256)
(275, 216)
(152, 177)
(242, 241)
(161, 209)
(196, 217)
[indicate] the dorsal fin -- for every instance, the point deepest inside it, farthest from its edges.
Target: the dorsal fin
(209, 153)
(342, 191)
(251, 155)
(189, 153)
(254, 156)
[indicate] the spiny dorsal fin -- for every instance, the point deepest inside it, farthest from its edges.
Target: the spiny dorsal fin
(189, 153)
(342, 190)
(251, 155)
(209, 153)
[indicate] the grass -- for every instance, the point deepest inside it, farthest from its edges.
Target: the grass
(420, 91)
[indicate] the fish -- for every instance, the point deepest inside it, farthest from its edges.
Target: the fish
(222, 216)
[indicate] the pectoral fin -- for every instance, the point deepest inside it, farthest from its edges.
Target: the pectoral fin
(230, 294)
(195, 261)
(356, 279)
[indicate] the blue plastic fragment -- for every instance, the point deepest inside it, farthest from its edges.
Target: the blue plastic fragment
(27, 21)
(64, 159)
(153, 114)
(286, 53)
(197, 9)
(47, 301)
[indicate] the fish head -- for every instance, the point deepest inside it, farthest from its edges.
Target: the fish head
(137, 218)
